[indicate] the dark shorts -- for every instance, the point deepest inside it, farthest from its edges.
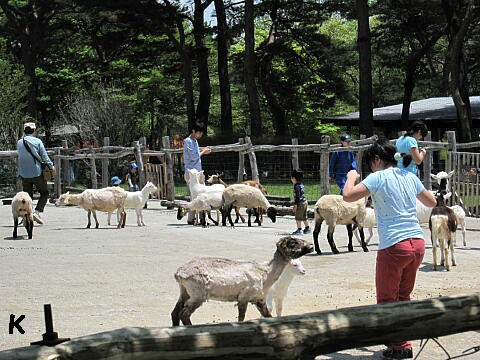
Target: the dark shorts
(301, 213)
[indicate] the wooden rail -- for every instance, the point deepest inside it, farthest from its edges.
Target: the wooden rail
(284, 338)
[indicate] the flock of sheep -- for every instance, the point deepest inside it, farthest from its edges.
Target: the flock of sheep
(262, 284)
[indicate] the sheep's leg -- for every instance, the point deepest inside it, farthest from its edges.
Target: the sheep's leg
(331, 242)
(249, 217)
(464, 233)
(224, 215)
(179, 306)
(109, 218)
(89, 213)
(370, 231)
(238, 215)
(363, 243)
(94, 213)
(450, 245)
(15, 227)
(189, 307)
(257, 216)
(123, 219)
(29, 227)
(229, 216)
(350, 237)
(442, 252)
(434, 253)
(446, 246)
(203, 221)
(316, 231)
(242, 309)
(139, 217)
(263, 309)
(210, 217)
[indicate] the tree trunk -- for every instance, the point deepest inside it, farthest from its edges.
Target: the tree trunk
(365, 68)
(188, 86)
(250, 70)
(459, 20)
(222, 48)
(201, 52)
(289, 337)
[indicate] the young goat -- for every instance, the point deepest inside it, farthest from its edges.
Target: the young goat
(22, 207)
(442, 224)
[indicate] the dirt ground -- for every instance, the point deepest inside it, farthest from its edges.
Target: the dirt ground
(103, 279)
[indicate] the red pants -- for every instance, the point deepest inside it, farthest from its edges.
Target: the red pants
(396, 271)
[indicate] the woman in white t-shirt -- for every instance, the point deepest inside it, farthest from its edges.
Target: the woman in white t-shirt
(407, 147)
(401, 245)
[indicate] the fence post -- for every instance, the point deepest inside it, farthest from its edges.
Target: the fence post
(452, 147)
(139, 160)
(427, 165)
(324, 165)
(93, 167)
(57, 185)
(66, 169)
(359, 158)
(295, 162)
(241, 162)
(105, 176)
(253, 160)
(168, 156)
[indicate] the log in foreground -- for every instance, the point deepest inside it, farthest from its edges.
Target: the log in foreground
(291, 337)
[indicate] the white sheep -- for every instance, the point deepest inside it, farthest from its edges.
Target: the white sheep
(107, 200)
(204, 202)
(136, 200)
(334, 210)
(22, 207)
(368, 223)
(442, 224)
(241, 195)
(279, 289)
(221, 279)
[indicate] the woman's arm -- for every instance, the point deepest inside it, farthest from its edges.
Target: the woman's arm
(427, 198)
(352, 192)
(418, 155)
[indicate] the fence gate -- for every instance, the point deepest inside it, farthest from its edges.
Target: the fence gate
(157, 174)
(466, 186)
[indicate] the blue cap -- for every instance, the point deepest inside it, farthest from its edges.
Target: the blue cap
(345, 137)
(133, 166)
(116, 180)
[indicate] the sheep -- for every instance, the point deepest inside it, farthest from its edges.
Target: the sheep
(203, 203)
(107, 200)
(368, 223)
(216, 179)
(443, 225)
(204, 278)
(279, 289)
(442, 179)
(246, 196)
(22, 206)
(334, 210)
(136, 200)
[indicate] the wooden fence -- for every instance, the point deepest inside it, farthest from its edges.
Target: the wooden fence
(162, 174)
(282, 338)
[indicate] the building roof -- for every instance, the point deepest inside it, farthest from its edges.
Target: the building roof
(434, 109)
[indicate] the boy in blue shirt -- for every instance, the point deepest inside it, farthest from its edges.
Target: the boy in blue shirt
(301, 204)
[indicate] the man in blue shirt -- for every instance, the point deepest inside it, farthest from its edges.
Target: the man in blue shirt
(30, 169)
(192, 157)
(341, 162)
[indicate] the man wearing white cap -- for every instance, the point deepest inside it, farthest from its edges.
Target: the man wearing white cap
(31, 155)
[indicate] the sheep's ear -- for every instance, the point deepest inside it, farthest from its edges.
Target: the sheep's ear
(434, 176)
(447, 196)
(450, 174)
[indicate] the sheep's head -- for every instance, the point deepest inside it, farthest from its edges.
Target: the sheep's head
(272, 213)
(293, 248)
(442, 196)
(181, 213)
(442, 179)
(63, 199)
(297, 267)
(150, 187)
(214, 179)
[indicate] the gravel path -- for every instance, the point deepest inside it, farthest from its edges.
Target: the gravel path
(103, 279)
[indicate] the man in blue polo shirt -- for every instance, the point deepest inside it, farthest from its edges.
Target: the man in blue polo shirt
(341, 162)
(31, 153)
(192, 157)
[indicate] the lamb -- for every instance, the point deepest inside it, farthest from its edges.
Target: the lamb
(443, 225)
(22, 206)
(136, 200)
(368, 223)
(216, 179)
(242, 281)
(204, 202)
(334, 210)
(246, 196)
(107, 200)
(279, 289)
